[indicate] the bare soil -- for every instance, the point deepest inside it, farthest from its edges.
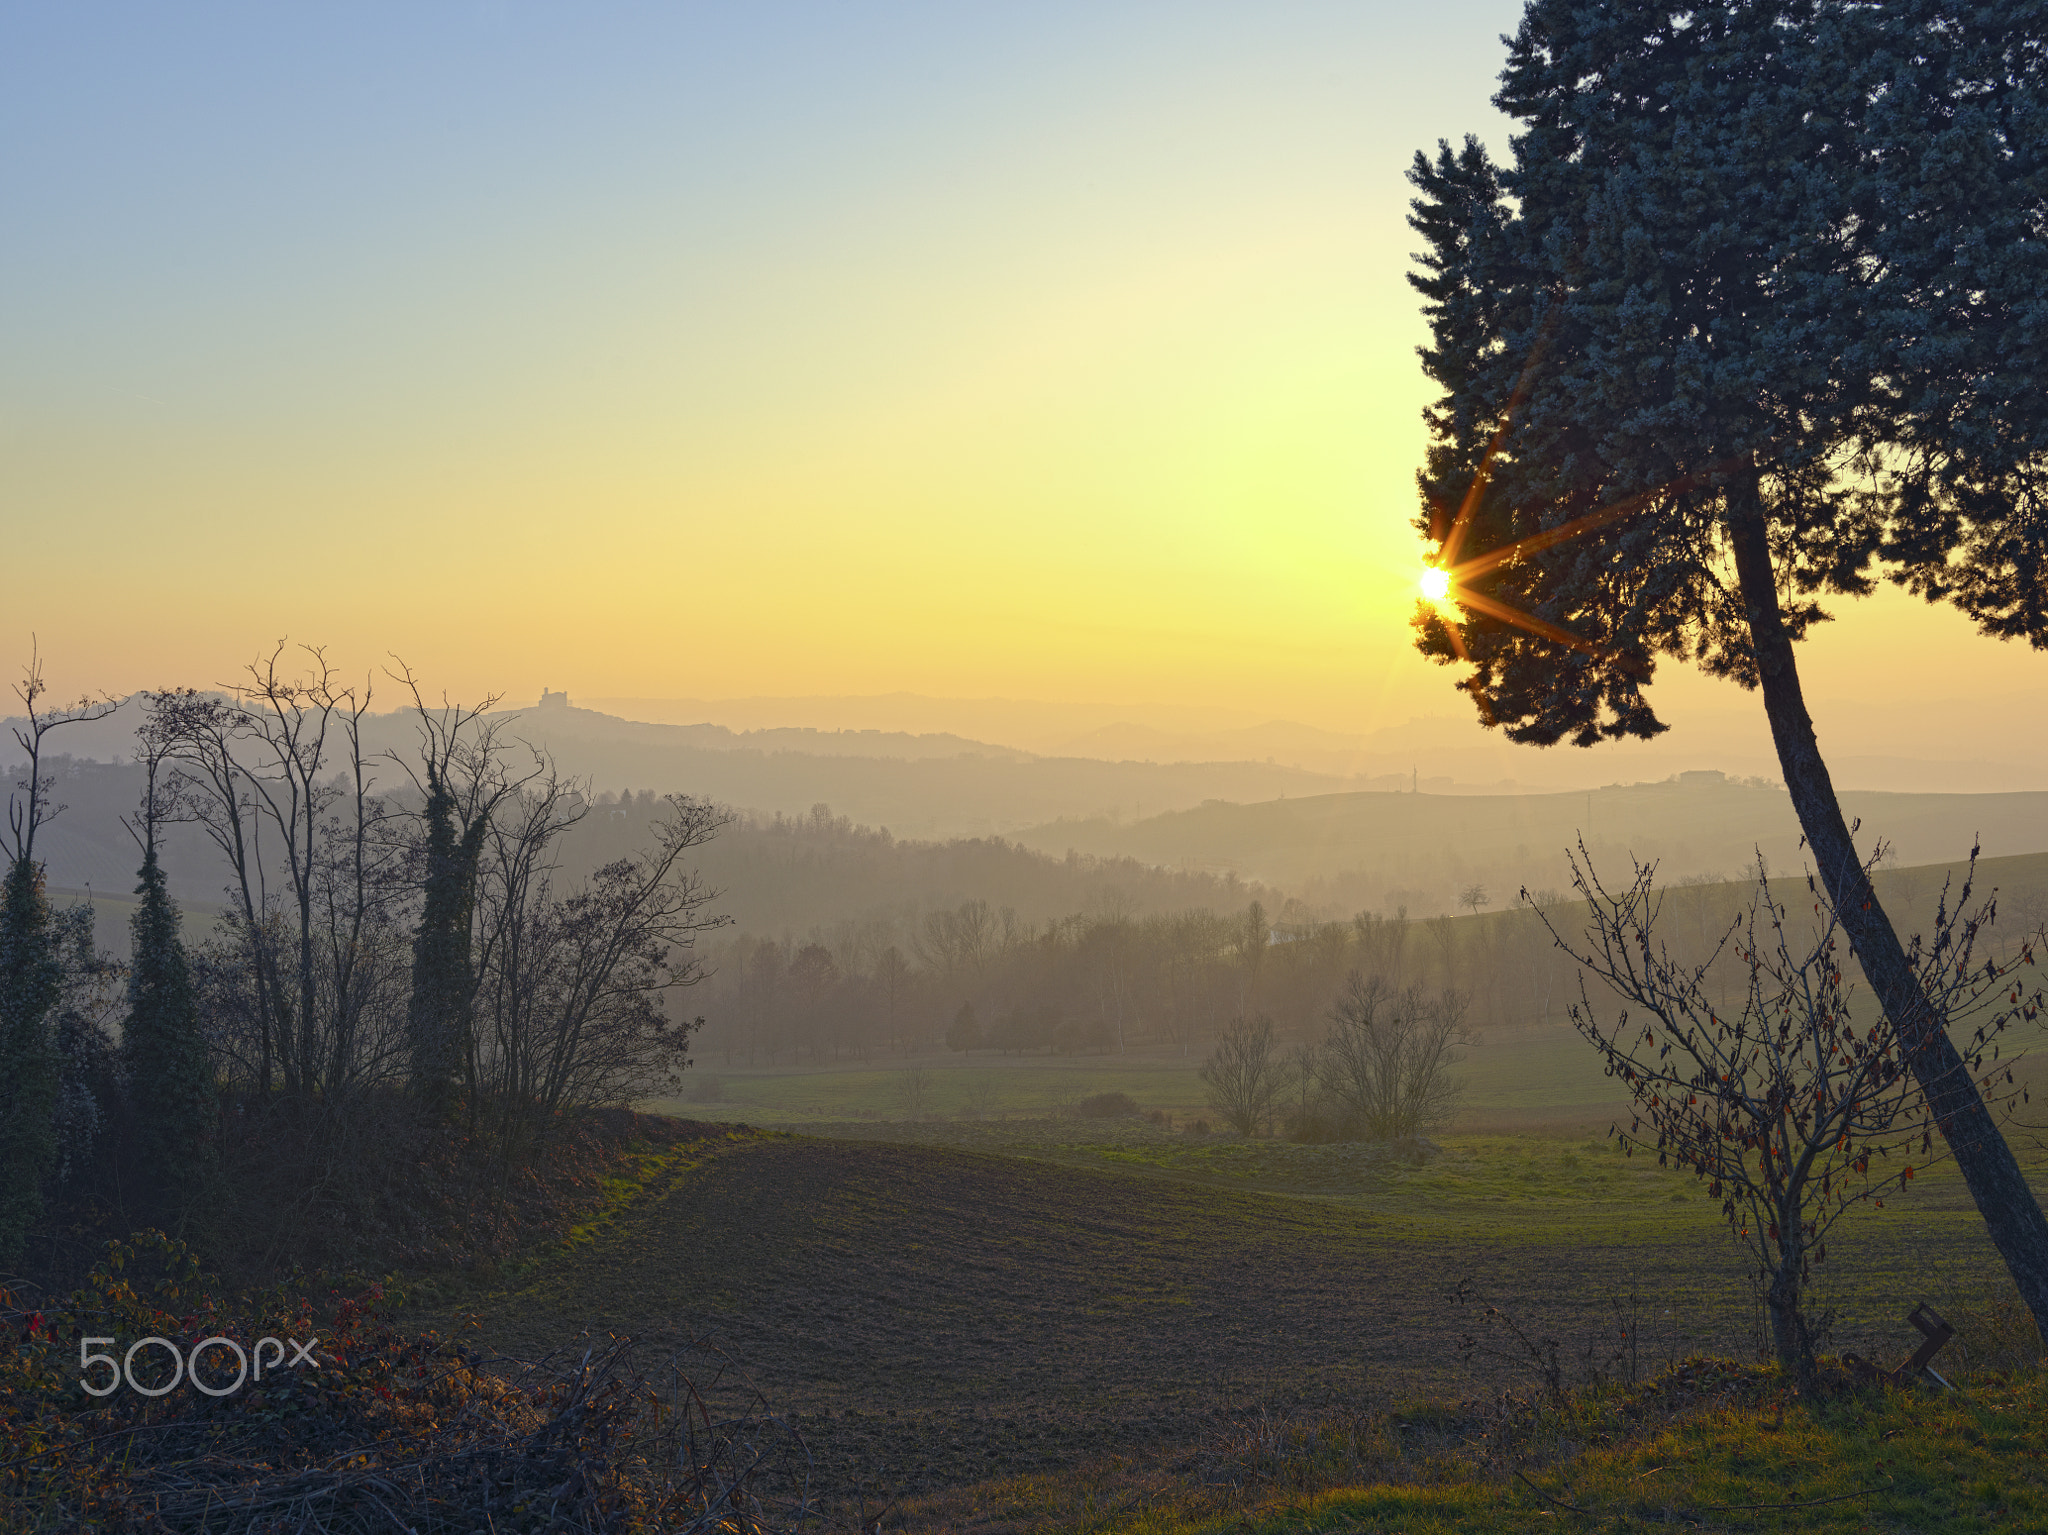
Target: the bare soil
(935, 1316)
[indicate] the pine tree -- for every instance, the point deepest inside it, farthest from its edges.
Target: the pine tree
(438, 1015)
(170, 1081)
(1752, 318)
(30, 981)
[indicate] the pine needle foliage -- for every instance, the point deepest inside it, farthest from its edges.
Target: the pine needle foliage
(30, 982)
(1751, 320)
(170, 1080)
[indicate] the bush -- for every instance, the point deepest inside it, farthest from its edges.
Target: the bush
(392, 1428)
(1316, 1124)
(1107, 1106)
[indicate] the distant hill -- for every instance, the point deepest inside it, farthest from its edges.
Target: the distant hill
(916, 785)
(1379, 851)
(1945, 751)
(1343, 839)
(776, 873)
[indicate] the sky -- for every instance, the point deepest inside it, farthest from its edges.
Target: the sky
(1048, 351)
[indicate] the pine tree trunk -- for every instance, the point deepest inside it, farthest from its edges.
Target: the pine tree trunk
(2011, 1212)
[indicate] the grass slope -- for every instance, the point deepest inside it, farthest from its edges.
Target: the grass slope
(937, 1316)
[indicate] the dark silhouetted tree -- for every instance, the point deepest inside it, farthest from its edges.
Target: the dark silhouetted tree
(31, 976)
(1752, 318)
(463, 778)
(170, 1081)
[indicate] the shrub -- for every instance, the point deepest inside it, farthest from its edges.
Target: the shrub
(1315, 1124)
(390, 1429)
(1107, 1106)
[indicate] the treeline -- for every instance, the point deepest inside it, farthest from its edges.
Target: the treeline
(404, 943)
(790, 874)
(979, 975)
(976, 977)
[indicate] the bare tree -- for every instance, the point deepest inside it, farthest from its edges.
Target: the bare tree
(914, 1093)
(957, 940)
(893, 980)
(1244, 1074)
(1388, 1055)
(1113, 941)
(575, 984)
(278, 774)
(1254, 935)
(1789, 1110)
(1382, 942)
(1444, 931)
(29, 805)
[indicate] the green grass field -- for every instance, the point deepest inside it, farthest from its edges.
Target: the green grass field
(1010, 1317)
(1060, 1323)
(1514, 1079)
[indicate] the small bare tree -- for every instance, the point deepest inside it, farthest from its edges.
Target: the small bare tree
(1388, 1055)
(1773, 1091)
(572, 1006)
(914, 1093)
(1244, 1074)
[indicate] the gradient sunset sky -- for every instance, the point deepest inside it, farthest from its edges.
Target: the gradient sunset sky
(1042, 350)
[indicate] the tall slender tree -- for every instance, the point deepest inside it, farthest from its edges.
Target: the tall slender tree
(1752, 318)
(463, 779)
(443, 983)
(31, 977)
(170, 1080)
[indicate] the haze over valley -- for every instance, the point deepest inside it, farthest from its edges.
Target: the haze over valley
(1038, 769)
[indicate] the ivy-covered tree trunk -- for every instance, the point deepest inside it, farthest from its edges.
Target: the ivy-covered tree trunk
(170, 1079)
(2011, 1213)
(30, 982)
(437, 1018)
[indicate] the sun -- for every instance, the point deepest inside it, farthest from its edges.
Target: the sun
(1436, 583)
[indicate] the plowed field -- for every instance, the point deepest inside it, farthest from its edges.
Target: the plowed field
(937, 1316)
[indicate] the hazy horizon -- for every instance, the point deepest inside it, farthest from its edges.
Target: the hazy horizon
(786, 353)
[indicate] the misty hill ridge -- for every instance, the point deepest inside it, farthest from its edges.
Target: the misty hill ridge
(558, 721)
(946, 785)
(917, 786)
(1372, 850)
